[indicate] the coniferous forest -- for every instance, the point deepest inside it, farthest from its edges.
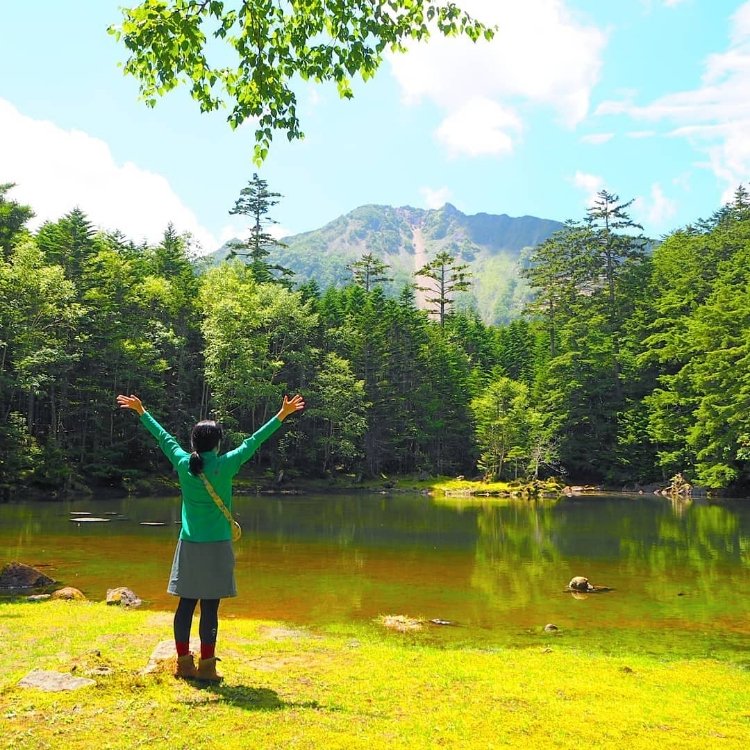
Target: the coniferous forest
(631, 363)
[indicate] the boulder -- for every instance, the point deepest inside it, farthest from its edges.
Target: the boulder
(550, 628)
(579, 583)
(16, 575)
(69, 594)
(122, 596)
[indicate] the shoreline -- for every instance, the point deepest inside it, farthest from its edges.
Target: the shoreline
(161, 485)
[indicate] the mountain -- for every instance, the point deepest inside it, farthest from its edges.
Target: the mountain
(406, 238)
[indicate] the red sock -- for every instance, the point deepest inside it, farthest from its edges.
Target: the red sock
(183, 649)
(208, 650)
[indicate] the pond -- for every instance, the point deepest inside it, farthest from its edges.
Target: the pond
(498, 569)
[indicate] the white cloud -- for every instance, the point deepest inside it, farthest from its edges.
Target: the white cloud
(655, 210)
(57, 170)
(590, 184)
(714, 116)
(542, 54)
(435, 198)
(478, 128)
(597, 138)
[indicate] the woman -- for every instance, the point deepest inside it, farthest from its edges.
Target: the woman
(203, 566)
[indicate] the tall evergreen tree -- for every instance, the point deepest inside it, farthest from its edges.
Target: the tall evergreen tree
(445, 277)
(368, 271)
(255, 202)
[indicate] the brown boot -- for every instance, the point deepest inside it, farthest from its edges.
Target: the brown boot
(207, 670)
(186, 668)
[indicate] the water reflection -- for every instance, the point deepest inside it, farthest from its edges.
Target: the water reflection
(486, 564)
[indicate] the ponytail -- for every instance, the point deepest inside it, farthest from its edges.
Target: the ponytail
(196, 463)
(205, 437)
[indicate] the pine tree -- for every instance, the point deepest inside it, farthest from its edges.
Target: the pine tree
(368, 271)
(447, 277)
(255, 202)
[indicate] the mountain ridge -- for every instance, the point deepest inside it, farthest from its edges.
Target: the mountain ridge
(404, 237)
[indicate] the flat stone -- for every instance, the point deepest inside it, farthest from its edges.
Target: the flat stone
(153, 523)
(54, 682)
(283, 634)
(38, 598)
(89, 519)
(164, 655)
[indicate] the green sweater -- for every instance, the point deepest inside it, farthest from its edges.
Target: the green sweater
(202, 521)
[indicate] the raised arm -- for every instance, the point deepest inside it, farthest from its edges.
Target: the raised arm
(167, 442)
(247, 448)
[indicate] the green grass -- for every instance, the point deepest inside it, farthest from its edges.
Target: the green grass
(355, 687)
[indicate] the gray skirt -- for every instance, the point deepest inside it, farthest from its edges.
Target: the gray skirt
(203, 570)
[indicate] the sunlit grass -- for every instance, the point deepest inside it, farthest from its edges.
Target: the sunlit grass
(354, 687)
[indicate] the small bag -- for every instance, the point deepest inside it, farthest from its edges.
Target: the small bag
(236, 528)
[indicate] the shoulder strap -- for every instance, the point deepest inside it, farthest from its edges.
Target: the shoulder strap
(215, 495)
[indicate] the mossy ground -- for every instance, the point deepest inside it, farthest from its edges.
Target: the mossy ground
(354, 687)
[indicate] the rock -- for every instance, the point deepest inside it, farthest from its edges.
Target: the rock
(550, 628)
(38, 598)
(69, 594)
(89, 519)
(163, 657)
(54, 682)
(579, 583)
(123, 596)
(401, 623)
(16, 575)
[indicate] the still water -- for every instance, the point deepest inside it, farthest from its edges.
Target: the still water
(680, 570)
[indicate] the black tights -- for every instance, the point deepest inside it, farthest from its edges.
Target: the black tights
(209, 622)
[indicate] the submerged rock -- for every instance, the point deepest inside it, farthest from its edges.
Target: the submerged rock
(579, 583)
(16, 575)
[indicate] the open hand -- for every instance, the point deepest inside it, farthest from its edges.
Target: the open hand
(130, 402)
(290, 406)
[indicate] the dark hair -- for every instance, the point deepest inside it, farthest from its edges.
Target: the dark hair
(205, 437)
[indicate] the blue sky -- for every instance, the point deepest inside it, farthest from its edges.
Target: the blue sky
(648, 98)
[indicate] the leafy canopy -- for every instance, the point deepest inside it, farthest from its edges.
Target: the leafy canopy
(258, 47)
